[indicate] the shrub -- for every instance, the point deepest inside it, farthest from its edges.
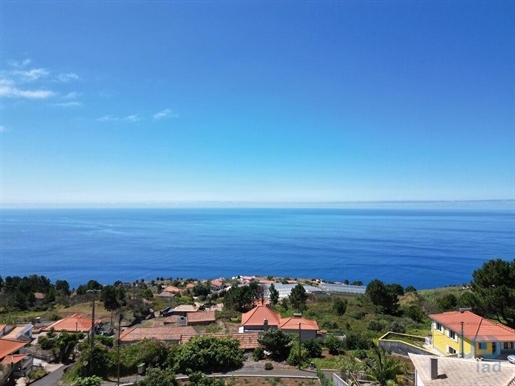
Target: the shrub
(88, 381)
(333, 344)
(259, 353)
(377, 325)
(313, 348)
(269, 366)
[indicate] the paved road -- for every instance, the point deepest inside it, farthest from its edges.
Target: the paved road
(51, 379)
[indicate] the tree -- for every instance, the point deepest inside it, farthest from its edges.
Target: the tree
(274, 294)
(448, 302)
(158, 377)
(383, 296)
(493, 286)
(63, 287)
(276, 342)
(109, 296)
(313, 348)
(333, 344)
(208, 354)
(340, 306)
(238, 298)
(298, 298)
(383, 368)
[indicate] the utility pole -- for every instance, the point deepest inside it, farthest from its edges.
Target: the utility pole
(120, 317)
(300, 350)
(93, 319)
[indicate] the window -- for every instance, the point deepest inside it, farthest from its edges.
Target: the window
(494, 347)
(482, 345)
(453, 335)
(508, 345)
(450, 350)
(439, 327)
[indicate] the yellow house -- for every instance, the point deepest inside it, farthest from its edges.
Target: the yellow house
(467, 335)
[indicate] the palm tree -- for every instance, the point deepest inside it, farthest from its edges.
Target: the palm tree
(383, 367)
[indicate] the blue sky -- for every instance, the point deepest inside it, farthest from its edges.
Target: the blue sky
(288, 101)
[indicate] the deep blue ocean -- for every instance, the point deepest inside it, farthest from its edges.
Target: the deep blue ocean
(424, 248)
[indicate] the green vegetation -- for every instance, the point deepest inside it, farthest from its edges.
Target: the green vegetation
(298, 298)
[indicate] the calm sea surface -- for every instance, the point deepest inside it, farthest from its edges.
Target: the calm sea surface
(424, 248)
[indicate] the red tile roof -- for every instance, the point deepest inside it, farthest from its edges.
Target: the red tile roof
(172, 288)
(10, 359)
(9, 346)
(201, 317)
(217, 283)
(475, 327)
(257, 315)
(167, 333)
(73, 323)
(293, 324)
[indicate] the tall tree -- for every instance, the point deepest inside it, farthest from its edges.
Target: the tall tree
(298, 298)
(383, 296)
(494, 288)
(274, 294)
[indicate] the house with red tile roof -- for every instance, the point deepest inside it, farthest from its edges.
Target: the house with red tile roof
(173, 289)
(217, 284)
(261, 318)
(74, 323)
(296, 324)
(168, 334)
(469, 335)
(199, 318)
(11, 354)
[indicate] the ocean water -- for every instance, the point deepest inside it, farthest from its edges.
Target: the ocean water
(424, 248)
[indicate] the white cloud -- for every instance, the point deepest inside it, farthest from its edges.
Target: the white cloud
(67, 77)
(164, 113)
(31, 75)
(2, 129)
(9, 91)
(72, 95)
(132, 118)
(19, 64)
(69, 104)
(107, 118)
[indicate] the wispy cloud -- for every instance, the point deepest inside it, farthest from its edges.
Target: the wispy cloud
(107, 118)
(132, 118)
(2, 129)
(31, 75)
(9, 91)
(164, 113)
(72, 95)
(19, 64)
(69, 104)
(67, 77)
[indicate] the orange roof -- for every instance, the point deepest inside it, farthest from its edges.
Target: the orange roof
(73, 323)
(190, 285)
(292, 323)
(166, 333)
(39, 295)
(172, 288)
(200, 317)
(256, 317)
(10, 359)
(9, 346)
(217, 283)
(475, 327)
